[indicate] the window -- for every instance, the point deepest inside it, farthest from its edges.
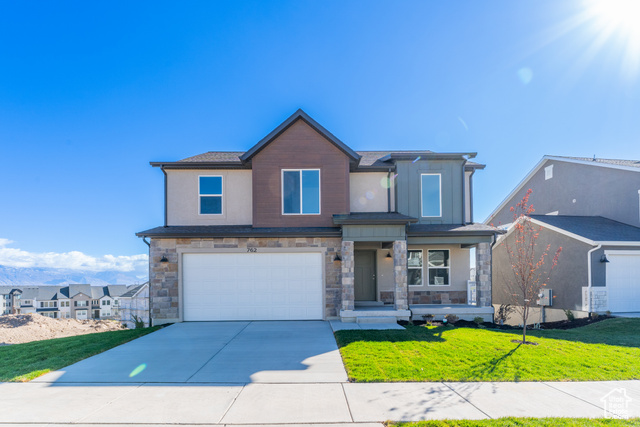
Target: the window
(48, 304)
(210, 194)
(431, 195)
(81, 303)
(301, 192)
(414, 268)
(548, 172)
(438, 267)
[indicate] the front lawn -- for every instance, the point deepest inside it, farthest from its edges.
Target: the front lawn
(524, 422)
(607, 350)
(24, 362)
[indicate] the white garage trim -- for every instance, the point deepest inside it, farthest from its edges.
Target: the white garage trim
(185, 251)
(623, 281)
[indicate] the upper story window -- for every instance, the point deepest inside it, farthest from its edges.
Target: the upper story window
(431, 194)
(210, 195)
(301, 191)
(438, 266)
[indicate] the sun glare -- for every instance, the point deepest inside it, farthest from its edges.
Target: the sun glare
(618, 20)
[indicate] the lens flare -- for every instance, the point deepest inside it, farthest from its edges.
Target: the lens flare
(138, 370)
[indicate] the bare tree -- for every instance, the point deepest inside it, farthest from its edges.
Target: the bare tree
(530, 265)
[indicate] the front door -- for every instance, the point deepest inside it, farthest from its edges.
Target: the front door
(365, 275)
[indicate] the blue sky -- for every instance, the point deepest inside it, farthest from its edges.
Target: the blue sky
(90, 92)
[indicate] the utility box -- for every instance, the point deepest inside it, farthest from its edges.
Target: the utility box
(545, 297)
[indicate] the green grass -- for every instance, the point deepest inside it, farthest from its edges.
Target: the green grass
(524, 422)
(607, 350)
(24, 362)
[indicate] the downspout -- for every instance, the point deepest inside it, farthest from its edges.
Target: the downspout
(464, 198)
(471, 197)
(590, 284)
(149, 281)
(389, 190)
(165, 195)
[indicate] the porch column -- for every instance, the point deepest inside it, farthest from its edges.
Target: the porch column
(348, 280)
(483, 275)
(401, 292)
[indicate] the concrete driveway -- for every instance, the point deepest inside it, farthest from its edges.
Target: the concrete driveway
(217, 352)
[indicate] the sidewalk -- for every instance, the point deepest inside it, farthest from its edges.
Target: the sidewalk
(261, 403)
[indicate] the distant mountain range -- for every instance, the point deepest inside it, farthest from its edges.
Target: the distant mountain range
(12, 276)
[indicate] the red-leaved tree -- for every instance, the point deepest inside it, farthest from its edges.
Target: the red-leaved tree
(530, 264)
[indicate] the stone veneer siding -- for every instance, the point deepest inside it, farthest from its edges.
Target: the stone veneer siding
(348, 275)
(483, 275)
(164, 300)
(428, 297)
(401, 293)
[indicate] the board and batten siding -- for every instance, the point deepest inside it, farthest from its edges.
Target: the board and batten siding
(183, 197)
(409, 189)
(299, 147)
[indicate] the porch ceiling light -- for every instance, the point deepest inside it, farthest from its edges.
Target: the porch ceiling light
(337, 257)
(604, 259)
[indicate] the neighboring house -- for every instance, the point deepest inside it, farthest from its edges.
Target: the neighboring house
(135, 304)
(591, 208)
(27, 301)
(300, 226)
(47, 301)
(81, 298)
(7, 296)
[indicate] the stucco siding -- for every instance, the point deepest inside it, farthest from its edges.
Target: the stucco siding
(368, 192)
(566, 279)
(183, 198)
(579, 189)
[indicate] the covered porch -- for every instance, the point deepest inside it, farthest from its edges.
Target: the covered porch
(420, 272)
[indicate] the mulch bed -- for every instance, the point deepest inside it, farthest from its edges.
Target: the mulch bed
(562, 324)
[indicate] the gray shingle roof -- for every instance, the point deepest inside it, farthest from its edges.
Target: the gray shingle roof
(132, 290)
(448, 229)
(617, 162)
(216, 157)
(239, 231)
(116, 290)
(76, 289)
(594, 228)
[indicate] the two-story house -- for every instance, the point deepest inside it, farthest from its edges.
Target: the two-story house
(301, 226)
(47, 301)
(80, 297)
(591, 208)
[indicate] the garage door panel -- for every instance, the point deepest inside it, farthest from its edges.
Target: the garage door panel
(262, 286)
(623, 282)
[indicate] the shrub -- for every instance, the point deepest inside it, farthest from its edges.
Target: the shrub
(451, 318)
(139, 323)
(428, 318)
(478, 320)
(570, 316)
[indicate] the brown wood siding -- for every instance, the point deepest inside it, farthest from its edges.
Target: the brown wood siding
(299, 147)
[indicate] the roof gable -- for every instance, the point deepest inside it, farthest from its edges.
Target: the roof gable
(299, 115)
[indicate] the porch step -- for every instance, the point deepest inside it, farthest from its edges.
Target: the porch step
(369, 304)
(370, 319)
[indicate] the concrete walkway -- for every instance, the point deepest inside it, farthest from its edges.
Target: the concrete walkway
(266, 395)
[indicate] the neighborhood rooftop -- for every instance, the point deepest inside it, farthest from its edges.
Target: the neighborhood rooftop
(594, 228)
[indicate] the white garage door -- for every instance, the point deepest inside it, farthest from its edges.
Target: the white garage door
(623, 282)
(252, 286)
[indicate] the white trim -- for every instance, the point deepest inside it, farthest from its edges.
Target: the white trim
(447, 267)
(421, 268)
(616, 252)
(547, 226)
(439, 196)
(282, 171)
(537, 167)
(211, 195)
(614, 243)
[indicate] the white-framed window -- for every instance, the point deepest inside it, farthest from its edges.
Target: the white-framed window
(26, 302)
(300, 191)
(210, 195)
(438, 267)
(431, 194)
(48, 304)
(81, 303)
(414, 267)
(64, 303)
(548, 172)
